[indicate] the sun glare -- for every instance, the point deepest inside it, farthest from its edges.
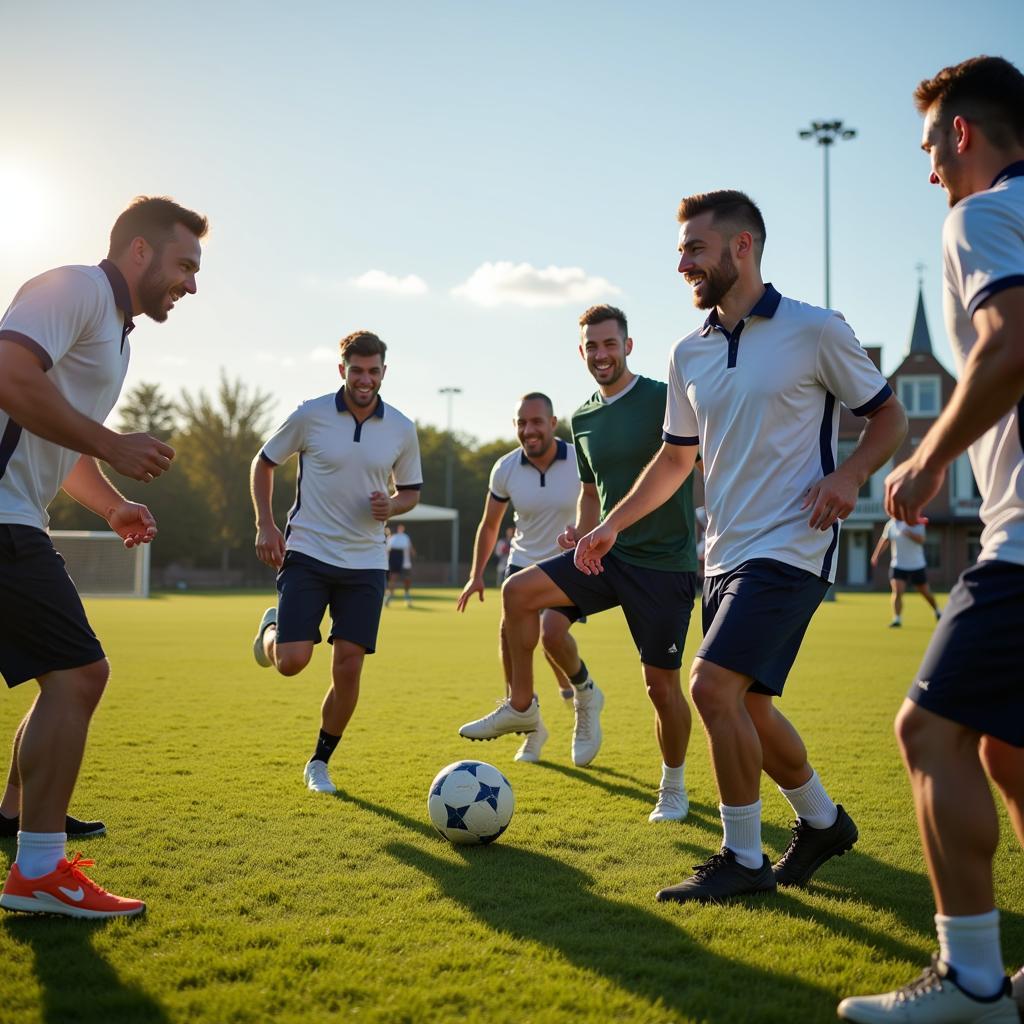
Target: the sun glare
(24, 205)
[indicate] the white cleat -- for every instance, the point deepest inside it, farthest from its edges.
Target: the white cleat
(933, 998)
(672, 805)
(503, 720)
(531, 748)
(258, 650)
(586, 732)
(317, 779)
(1017, 985)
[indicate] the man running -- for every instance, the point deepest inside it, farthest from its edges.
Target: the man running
(906, 565)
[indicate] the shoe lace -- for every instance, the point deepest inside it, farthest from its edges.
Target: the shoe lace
(75, 866)
(797, 830)
(929, 981)
(714, 863)
(584, 721)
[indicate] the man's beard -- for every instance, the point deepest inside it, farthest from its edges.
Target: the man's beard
(718, 281)
(152, 291)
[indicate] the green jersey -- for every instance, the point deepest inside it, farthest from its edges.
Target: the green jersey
(614, 442)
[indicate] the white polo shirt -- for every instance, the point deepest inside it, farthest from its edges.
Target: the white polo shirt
(983, 254)
(341, 463)
(545, 503)
(763, 404)
(76, 319)
(401, 542)
(905, 553)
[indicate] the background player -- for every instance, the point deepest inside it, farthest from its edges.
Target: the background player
(964, 715)
(907, 564)
(400, 555)
(64, 354)
(652, 570)
(541, 480)
(350, 443)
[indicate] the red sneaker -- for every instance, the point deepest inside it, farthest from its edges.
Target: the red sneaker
(65, 890)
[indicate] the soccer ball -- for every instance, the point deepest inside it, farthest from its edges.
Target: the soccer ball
(470, 802)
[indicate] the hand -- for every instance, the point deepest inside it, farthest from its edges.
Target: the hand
(593, 547)
(830, 499)
(133, 523)
(874, 561)
(139, 456)
(567, 539)
(473, 586)
(380, 506)
(908, 488)
(270, 545)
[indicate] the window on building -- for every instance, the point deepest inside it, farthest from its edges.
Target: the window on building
(875, 484)
(921, 396)
(961, 479)
(932, 553)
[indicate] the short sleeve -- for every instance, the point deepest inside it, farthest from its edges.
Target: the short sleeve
(51, 312)
(498, 482)
(887, 530)
(288, 439)
(407, 470)
(845, 370)
(680, 419)
(582, 463)
(983, 250)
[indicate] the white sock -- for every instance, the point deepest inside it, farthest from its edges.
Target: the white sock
(743, 833)
(672, 778)
(812, 803)
(971, 945)
(39, 852)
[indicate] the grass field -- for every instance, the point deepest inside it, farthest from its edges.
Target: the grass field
(267, 902)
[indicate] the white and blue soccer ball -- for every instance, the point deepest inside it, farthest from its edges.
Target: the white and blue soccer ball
(470, 802)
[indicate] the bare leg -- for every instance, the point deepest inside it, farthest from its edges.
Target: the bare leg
(559, 647)
(925, 592)
(956, 815)
(784, 753)
(672, 720)
(289, 659)
(506, 658)
(53, 742)
(341, 699)
(898, 586)
(10, 805)
(1005, 767)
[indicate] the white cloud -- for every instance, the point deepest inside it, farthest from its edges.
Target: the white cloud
(521, 284)
(379, 281)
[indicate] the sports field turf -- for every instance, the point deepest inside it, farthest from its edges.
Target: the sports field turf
(267, 902)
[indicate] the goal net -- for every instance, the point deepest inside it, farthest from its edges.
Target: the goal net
(101, 565)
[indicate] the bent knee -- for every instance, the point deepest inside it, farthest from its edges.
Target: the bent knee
(1003, 763)
(291, 664)
(554, 627)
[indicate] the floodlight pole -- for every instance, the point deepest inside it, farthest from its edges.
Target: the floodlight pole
(449, 468)
(826, 134)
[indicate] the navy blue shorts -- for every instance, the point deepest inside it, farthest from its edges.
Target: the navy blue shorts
(919, 577)
(755, 617)
(307, 587)
(43, 627)
(396, 559)
(656, 603)
(570, 612)
(972, 672)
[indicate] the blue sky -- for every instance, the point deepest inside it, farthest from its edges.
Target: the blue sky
(499, 167)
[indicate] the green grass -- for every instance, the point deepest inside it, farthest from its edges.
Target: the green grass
(267, 902)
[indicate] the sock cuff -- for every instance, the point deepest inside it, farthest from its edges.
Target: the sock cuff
(804, 789)
(965, 921)
(41, 838)
(738, 813)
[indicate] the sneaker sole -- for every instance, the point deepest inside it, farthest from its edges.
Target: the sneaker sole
(668, 817)
(487, 739)
(716, 900)
(802, 882)
(46, 904)
(88, 835)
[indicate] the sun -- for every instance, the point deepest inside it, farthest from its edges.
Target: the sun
(24, 205)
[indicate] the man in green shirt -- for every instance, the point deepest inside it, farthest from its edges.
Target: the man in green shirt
(650, 573)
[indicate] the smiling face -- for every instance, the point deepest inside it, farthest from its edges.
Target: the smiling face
(705, 260)
(535, 427)
(604, 350)
(170, 273)
(363, 376)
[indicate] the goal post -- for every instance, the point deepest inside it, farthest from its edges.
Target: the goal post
(101, 565)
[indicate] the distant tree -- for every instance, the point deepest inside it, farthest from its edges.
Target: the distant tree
(147, 410)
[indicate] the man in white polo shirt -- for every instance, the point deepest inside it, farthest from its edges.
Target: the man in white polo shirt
(350, 445)
(542, 481)
(758, 387)
(963, 718)
(907, 564)
(64, 353)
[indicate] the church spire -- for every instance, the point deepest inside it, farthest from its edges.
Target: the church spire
(920, 337)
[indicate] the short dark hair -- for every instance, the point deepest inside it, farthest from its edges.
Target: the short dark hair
(736, 209)
(362, 343)
(986, 90)
(598, 315)
(153, 218)
(539, 396)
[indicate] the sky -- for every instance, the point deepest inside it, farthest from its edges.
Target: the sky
(465, 179)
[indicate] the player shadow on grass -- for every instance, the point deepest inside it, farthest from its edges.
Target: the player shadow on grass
(542, 899)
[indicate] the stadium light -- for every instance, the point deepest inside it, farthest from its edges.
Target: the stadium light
(826, 134)
(450, 394)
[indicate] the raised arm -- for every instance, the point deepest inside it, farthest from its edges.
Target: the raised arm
(483, 545)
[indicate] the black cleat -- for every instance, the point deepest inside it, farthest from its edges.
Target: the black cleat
(720, 878)
(811, 847)
(74, 828)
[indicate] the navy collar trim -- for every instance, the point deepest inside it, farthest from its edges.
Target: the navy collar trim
(122, 296)
(561, 453)
(342, 406)
(766, 307)
(1015, 170)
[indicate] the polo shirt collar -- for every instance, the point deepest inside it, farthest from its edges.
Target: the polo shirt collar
(765, 306)
(1015, 170)
(561, 452)
(342, 406)
(122, 296)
